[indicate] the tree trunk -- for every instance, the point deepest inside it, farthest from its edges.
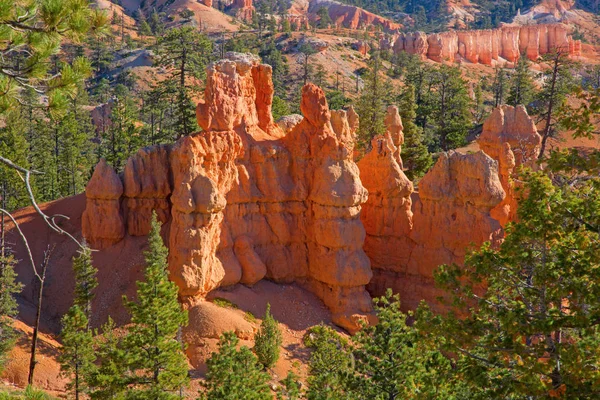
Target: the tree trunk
(551, 101)
(41, 279)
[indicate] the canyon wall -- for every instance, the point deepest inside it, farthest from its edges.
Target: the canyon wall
(486, 46)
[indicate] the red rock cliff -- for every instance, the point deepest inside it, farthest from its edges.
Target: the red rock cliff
(486, 46)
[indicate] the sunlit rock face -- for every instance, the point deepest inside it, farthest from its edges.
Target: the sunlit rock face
(487, 46)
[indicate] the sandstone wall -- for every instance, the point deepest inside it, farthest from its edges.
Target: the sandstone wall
(487, 46)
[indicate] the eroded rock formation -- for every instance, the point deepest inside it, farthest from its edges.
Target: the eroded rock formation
(450, 213)
(102, 222)
(245, 200)
(463, 201)
(510, 137)
(243, 9)
(486, 46)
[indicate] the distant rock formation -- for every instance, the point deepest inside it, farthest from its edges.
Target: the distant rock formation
(487, 46)
(353, 17)
(243, 9)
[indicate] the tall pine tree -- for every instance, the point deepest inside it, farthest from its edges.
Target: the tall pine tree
(156, 364)
(77, 355)
(415, 156)
(9, 287)
(521, 88)
(85, 280)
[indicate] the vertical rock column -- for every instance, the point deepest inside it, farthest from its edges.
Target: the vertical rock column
(510, 137)
(204, 170)
(147, 188)
(102, 224)
(338, 266)
(387, 214)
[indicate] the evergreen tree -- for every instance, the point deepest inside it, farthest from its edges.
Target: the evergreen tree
(77, 355)
(85, 280)
(372, 104)
(396, 361)
(521, 89)
(108, 380)
(186, 52)
(331, 362)
(535, 331)
(32, 32)
(279, 108)
(9, 287)
(290, 387)
(156, 363)
(272, 56)
(305, 52)
(499, 86)
(324, 18)
(14, 146)
(235, 374)
(558, 83)
(267, 341)
(452, 108)
(415, 156)
(122, 138)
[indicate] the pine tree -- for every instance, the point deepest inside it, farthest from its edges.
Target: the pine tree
(499, 86)
(372, 104)
(108, 380)
(85, 280)
(235, 374)
(267, 341)
(331, 362)
(558, 83)
(156, 363)
(186, 52)
(14, 146)
(534, 332)
(9, 287)
(32, 33)
(77, 355)
(415, 156)
(122, 138)
(521, 89)
(452, 104)
(290, 387)
(394, 360)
